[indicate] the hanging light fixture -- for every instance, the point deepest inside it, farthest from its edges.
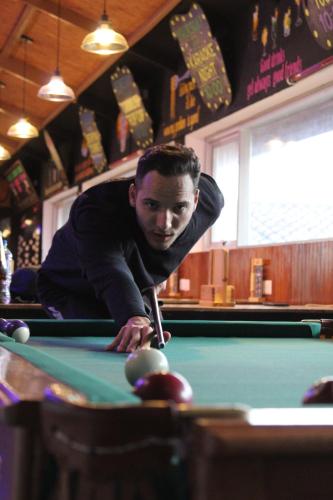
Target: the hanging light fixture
(104, 40)
(23, 129)
(56, 90)
(4, 153)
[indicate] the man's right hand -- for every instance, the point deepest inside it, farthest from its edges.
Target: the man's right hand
(137, 333)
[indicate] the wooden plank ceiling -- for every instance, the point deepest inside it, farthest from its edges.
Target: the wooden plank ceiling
(38, 20)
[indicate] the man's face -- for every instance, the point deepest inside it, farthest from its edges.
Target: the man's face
(164, 207)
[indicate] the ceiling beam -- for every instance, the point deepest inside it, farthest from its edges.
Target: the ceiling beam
(14, 67)
(132, 39)
(21, 25)
(7, 109)
(67, 15)
(146, 27)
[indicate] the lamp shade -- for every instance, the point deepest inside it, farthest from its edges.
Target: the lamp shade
(56, 90)
(104, 40)
(23, 129)
(4, 153)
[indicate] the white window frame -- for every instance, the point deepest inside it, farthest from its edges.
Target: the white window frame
(312, 90)
(127, 168)
(232, 136)
(51, 208)
(53, 205)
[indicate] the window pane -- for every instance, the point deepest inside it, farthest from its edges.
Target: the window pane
(63, 210)
(290, 178)
(225, 170)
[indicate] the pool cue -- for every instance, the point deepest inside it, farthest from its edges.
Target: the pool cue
(151, 293)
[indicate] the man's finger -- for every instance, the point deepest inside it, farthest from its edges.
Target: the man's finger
(147, 334)
(167, 336)
(116, 340)
(131, 334)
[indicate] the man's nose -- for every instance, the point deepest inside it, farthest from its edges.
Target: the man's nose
(164, 220)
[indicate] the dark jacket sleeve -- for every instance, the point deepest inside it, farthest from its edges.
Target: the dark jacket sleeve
(100, 248)
(207, 212)
(211, 198)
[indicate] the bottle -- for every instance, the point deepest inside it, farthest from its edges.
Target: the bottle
(6, 259)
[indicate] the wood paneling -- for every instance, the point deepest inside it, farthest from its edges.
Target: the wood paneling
(38, 20)
(312, 267)
(301, 273)
(277, 268)
(195, 268)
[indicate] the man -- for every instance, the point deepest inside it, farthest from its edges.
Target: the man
(125, 236)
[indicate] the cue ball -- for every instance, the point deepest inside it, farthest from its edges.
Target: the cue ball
(164, 386)
(144, 361)
(18, 330)
(320, 392)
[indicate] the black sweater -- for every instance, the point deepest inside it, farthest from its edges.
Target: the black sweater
(101, 251)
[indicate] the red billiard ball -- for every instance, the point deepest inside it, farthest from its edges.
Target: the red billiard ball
(18, 330)
(320, 392)
(167, 386)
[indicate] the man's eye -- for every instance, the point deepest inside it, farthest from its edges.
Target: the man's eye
(151, 204)
(180, 208)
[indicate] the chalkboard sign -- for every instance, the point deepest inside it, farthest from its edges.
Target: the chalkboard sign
(54, 178)
(129, 100)
(202, 56)
(319, 16)
(93, 139)
(21, 186)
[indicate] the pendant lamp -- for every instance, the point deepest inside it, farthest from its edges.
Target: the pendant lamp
(4, 153)
(23, 129)
(56, 90)
(104, 40)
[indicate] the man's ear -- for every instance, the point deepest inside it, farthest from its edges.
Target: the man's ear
(132, 195)
(196, 197)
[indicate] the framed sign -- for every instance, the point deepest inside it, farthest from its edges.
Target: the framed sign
(54, 178)
(202, 56)
(319, 16)
(93, 139)
(21, 186)
(129, 100)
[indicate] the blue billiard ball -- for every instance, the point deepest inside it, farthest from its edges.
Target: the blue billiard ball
(18, 330)
(3, 324)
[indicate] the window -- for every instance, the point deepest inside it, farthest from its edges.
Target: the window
(55, 214)
(276, 176)
(225, 170)
(63, 209)
(282, 145)
(291, 178)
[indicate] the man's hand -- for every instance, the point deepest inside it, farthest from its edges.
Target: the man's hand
(137, 333)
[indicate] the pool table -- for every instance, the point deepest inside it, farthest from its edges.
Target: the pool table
(243, 312)
(19, 310)
(70, 428)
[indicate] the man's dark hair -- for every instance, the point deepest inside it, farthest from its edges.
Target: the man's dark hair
(169, 160)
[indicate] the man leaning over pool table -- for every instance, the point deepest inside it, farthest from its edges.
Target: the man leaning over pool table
(125, 236)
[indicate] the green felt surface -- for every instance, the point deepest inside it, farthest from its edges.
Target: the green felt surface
(267, 372)
(65, 365)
